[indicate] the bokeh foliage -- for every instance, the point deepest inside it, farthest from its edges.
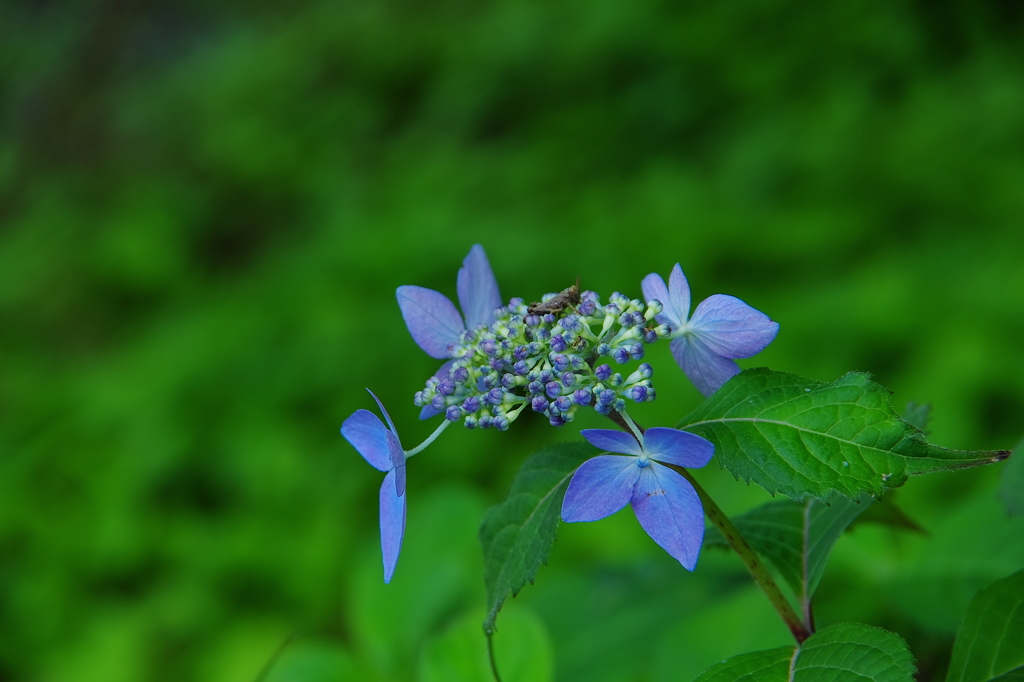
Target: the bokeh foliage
(205, 209)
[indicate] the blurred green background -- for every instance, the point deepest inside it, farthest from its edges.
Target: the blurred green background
(205, 209)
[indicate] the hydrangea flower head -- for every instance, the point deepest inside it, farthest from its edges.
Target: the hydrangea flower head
(665, 504)
(722, 329)
(379, 445)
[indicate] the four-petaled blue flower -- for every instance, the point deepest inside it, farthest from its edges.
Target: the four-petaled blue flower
(664, 502)
(379, 445)
(435, 323)
(722, 329)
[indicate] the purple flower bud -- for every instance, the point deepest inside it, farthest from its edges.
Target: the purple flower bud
(650, 336)
(521, 368)
(563, 403)
(497, 364)
(615, 379)
(558, 343)
(508, 381)
(626, 319)
(437, 403)
(636, 351)
(495, 396)
(568, 379)
(651, 394)
(638, 393)
(589, 295)
(539, 403)
(532, 320)
(603, 408)
(491, 381)
(571, 323)
(446, 387)
(521, 352)
(556, 420)
(578, 362)
(606, 397)
(612, 309)
(587, 308)
(515, 302)
(549, 318)
(453, 413)
(469, 422)
(561, 362)
(603, 349)
(621, 355)
(471, 404)
(535, 388)
(485, 421)
(501, 423)
(535, 348)
(546, 376)
(645, 370)
(553, 389)
(488, 347)
(619, 404)
(460, 375)
(602, 372)
(582, 396)
(507, 345)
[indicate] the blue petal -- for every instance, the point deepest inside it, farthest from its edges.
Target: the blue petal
(432, 319)
(677, 447)
(731, 328)
(600, 487)
(397, 461)
(707, 370)
(613, 441)
(654, 288)
(477, 288)
(442, 373)
(367, 434)
(392, 524)
(387, 417)
(668, 508)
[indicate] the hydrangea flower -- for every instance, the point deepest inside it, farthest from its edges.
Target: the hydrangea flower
(722, 329)
(665, 503)
(434, 322)
(379, 445)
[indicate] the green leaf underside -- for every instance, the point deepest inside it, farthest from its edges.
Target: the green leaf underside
(806, 438)
(990, 643)
(518, 533)
(918, 414)
(786, 533)
(847, 652)
(885, 512)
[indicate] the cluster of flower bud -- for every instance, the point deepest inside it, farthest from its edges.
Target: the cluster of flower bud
(553, 362)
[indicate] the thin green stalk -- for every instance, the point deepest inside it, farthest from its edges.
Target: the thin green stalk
(750, 559)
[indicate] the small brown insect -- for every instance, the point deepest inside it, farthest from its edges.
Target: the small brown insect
(564, 299)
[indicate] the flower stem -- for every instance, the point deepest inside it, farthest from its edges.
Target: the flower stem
(750, 559)
(746, 553)
(430, 439)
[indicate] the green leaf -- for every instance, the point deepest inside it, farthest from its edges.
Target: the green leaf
(1012, 489)
(524, 651)
(806, 438)
(847, 652)
(755, 666)
(796, 537)
(518, 533)
(990, 643)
